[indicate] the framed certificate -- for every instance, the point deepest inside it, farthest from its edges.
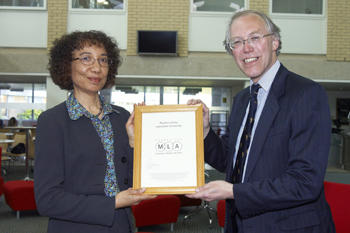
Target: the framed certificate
(168, 149)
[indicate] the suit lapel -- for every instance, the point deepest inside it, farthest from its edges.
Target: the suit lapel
(267, 117)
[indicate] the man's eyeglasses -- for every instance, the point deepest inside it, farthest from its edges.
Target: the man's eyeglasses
(254, 40)
(89, 60)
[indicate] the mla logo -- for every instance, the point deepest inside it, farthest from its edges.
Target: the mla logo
(168, 146)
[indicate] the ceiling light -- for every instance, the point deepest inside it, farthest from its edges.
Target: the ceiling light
(191, 91)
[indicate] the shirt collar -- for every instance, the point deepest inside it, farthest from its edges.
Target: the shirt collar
(267, 79)
(76, 110)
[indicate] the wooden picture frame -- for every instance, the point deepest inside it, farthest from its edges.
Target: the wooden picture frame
(168, 149)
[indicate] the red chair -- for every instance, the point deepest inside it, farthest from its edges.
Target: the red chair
(1, 179)
(185, 201)
(221, 210)
(1, 184)
(19, 195)
(338, 198)
(160, 210)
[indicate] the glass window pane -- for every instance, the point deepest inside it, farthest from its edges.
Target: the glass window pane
(17, 93)
(204, 94)
(40, 94)
(98, 4)
(297, 6)
(170, 95)
(152, 96)
(127, 96)
(215, 5)
(22, 3)
(17, 101)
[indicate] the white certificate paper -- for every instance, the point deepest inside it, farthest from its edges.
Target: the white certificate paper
(168, 149)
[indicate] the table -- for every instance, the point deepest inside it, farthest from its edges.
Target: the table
(6, 141)
(26, 129)
(8, 134)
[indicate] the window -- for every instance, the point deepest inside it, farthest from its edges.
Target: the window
(214, 98)
(297, 6)
(22, 101)
(126, 96)
(215, 5)
(98, 4)
(23, 4)
(171, 95)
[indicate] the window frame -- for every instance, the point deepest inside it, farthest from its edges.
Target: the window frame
(40, 8)
(213, 13)
(298, 15)
(70, 9)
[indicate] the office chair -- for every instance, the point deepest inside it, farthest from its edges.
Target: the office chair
(205, 206)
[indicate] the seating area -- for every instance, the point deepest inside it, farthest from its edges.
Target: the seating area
(168, 218)
(18, 137)
(30, 221)
(6, 155)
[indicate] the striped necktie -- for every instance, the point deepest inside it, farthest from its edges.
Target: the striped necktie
(246, 135)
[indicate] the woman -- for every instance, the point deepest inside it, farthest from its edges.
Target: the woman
(83, 148)
(12, 122)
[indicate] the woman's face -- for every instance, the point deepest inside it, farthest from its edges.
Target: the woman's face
(89, 78)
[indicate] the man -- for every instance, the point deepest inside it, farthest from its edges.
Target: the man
(275, 184)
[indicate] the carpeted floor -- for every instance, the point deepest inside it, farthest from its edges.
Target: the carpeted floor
(32, 222)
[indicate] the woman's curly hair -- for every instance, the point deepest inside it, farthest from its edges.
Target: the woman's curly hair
(60, 56)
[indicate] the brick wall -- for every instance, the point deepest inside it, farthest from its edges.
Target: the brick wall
(338, 30)
(158, 15)
(259, 5)
(57, 20)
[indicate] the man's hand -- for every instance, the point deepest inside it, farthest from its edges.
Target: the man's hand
(206, 125)
(215, 190)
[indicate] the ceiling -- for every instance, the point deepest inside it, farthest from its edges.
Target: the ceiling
(210, 82)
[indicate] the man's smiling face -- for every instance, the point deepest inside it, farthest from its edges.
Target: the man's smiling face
(254, 60)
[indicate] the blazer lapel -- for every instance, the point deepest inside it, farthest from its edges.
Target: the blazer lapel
(267, 117)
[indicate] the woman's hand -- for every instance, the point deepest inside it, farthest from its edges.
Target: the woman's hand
(130, 125)
(131, 197)
(206, 125)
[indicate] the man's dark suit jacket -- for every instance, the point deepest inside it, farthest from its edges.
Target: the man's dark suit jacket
(70, 168)
(283, 186)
